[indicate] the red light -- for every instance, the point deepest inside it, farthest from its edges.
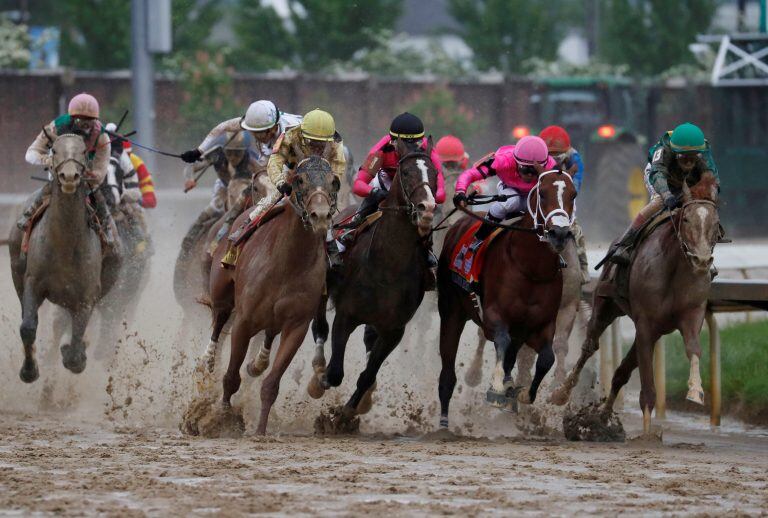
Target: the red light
(607, 131)
(519, 132)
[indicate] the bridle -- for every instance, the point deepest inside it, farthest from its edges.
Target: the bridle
(300, 205)
(80, 164)
(684, 248)
(409, 208)
(540, 219)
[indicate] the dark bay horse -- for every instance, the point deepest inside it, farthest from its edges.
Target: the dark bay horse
(669, 282)
(520, 290)
(278, 282)
(64, 261)
(382, 281)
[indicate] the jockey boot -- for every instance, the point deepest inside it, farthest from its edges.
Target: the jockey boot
(33, 207)
(485, 230)
(619, 252)
(369, 205)
(109, 240)
(431, 276)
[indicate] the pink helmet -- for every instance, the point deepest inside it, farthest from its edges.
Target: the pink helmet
(531, 150)
(84, 105)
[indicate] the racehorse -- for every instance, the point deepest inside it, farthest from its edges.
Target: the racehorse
(278, 281)
(382, 281)
(520, 291)
(669, 282)
(64, 260)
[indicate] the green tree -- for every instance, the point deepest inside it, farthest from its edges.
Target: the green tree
(14, 45)
(442, 115)
(328, 31)
(504, 34)
(192, 22)
(650, 36)
(263, 42)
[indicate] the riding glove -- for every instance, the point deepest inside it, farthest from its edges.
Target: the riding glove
(670, 201)
(191, 156)
(460, 199)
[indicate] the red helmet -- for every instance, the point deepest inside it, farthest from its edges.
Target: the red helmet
(556, 138)
(451, 149)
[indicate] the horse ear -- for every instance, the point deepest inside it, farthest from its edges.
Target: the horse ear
(401, 148)
(430, 145)
(686, 191)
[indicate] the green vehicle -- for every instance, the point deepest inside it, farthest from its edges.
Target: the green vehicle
(601, 116)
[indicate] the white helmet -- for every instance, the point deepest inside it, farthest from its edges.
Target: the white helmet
(261, 115)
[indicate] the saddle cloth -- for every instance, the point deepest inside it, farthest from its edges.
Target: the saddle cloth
(465, 265)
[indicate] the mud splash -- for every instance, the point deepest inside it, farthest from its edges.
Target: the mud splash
(206, 417)
(590, 424)
(335, 422)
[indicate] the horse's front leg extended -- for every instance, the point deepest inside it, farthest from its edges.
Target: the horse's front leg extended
(320, 334)
(73, 353)
(342, 328)
(506, 353)
(385, 344)
(30, 303)
(690, 326)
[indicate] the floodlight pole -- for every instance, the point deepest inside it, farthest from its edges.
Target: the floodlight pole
(142, 80)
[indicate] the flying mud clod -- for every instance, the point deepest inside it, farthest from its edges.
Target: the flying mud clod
(591, 424)
(206, 417)
(336, 422)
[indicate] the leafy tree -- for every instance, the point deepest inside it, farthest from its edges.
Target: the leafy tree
(503, 34)
(192, 22)
(14, 45)
(328, 31)
(263, 42)
(651, 36)
(442, 115)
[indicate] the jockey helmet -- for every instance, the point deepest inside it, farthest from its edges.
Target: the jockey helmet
(260, 116)
(451, 149)
(318, 125)
(84, 106)
(406, 126)
(530, 150)
(688, 138)
(556, 139)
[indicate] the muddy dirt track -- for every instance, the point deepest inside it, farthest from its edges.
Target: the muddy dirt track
(107, 441)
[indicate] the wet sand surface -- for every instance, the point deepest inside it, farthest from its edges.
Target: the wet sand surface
(47, 466)
(107, 441)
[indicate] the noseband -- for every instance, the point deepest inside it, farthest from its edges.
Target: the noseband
(684, 248)
(540, 219)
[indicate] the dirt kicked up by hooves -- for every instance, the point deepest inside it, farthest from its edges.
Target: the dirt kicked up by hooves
(591, 423)
(336, 422)
(206, 417)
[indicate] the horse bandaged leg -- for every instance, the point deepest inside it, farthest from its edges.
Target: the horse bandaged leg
(208, 359)
(259, 364)
(695, 391)
(315, 389)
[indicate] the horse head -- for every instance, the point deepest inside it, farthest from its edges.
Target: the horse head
(68, 162)
(415, 184)
(550, 204)
(314, 193)
(699, 222)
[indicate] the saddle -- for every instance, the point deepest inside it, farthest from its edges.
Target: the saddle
(242, 234)
(618, 275)
(349, 235)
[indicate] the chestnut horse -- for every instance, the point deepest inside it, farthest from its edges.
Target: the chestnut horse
(669, 282)
(278, 281)
(382, 281)
(520, 290)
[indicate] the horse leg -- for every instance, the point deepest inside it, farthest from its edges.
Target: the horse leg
(30, 303)
(259, 364)
(320, 334)
(566, 318)
(603, 313)
(451, 326)
(239, 341)
(369, 339)
(342, 328)
(690, 326)
(385, 344)
(506, 354)
(475, 372)
(645, 342)
(544, 362)
(525, 359)
(220, 317)
(621, 377)
(73, 353)
(290, 341)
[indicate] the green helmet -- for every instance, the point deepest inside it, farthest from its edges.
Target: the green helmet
(688, 138)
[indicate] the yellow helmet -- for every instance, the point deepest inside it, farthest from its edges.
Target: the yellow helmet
(318, 125)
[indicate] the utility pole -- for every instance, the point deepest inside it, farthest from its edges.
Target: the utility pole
(150, 33)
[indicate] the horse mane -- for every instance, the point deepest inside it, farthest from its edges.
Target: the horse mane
(706, 188)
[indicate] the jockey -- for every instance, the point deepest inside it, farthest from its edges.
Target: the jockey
(122, 180)
(146, 185)
(315, 136)
(680, 155)
(568, 159)
(451, 153)
(259, 130)
(518, 167)
(82, 118)
(374, 178)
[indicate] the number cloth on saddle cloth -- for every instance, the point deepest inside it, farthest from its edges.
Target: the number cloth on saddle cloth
(465, 265)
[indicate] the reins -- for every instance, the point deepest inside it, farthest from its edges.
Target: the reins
(677, 228)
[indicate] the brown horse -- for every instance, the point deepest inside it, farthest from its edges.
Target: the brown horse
(278, 281)
(382, 281)
(520, 289)
(669, 282)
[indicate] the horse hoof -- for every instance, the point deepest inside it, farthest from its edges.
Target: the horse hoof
(318, 364)
(315, 388)
(496, 399)
(256, 369)
(444, 422)
(73, 358)
(29, 372)
(524, 397)
(473, 377)
(695, 396)
(559, 397)
(366, 403)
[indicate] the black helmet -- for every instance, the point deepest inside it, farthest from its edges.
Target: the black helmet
(406, 126)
